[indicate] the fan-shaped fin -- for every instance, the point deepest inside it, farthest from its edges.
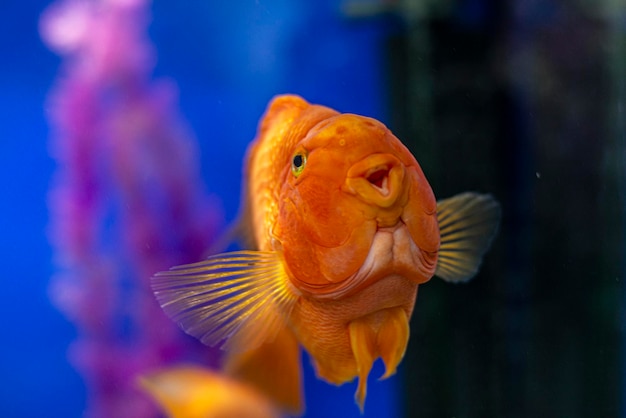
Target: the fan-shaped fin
(239, 299)
(467, 224)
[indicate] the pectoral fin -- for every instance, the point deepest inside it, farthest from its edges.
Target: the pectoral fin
(467, 224)
(239, 299)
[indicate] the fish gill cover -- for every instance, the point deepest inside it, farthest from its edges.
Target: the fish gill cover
(127, 199)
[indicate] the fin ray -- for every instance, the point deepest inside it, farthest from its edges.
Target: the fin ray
(467, 225)
(237, 299)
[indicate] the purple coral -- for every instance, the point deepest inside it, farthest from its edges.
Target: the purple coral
(127, 199)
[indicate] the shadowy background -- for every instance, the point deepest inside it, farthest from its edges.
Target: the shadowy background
(523, 99)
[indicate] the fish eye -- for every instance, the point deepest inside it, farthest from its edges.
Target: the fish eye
(298, 162)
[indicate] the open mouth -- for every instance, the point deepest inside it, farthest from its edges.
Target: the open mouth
(378, 177)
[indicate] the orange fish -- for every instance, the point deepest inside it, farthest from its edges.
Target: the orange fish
(342, 229)
(193, 392)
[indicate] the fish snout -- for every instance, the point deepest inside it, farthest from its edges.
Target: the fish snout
(377, 180)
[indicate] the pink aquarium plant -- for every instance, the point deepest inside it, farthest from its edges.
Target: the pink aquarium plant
(127, 200)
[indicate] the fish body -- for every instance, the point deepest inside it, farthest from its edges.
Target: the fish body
(343, 228)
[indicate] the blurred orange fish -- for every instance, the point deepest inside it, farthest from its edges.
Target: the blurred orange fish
(193, 392)
(343, 227)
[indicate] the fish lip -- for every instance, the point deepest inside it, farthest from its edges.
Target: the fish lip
(380, 263)
(376, 179)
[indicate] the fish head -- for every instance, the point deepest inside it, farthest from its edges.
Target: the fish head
(349, 179)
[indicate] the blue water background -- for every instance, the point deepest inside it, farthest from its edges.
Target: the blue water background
(228, 59)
